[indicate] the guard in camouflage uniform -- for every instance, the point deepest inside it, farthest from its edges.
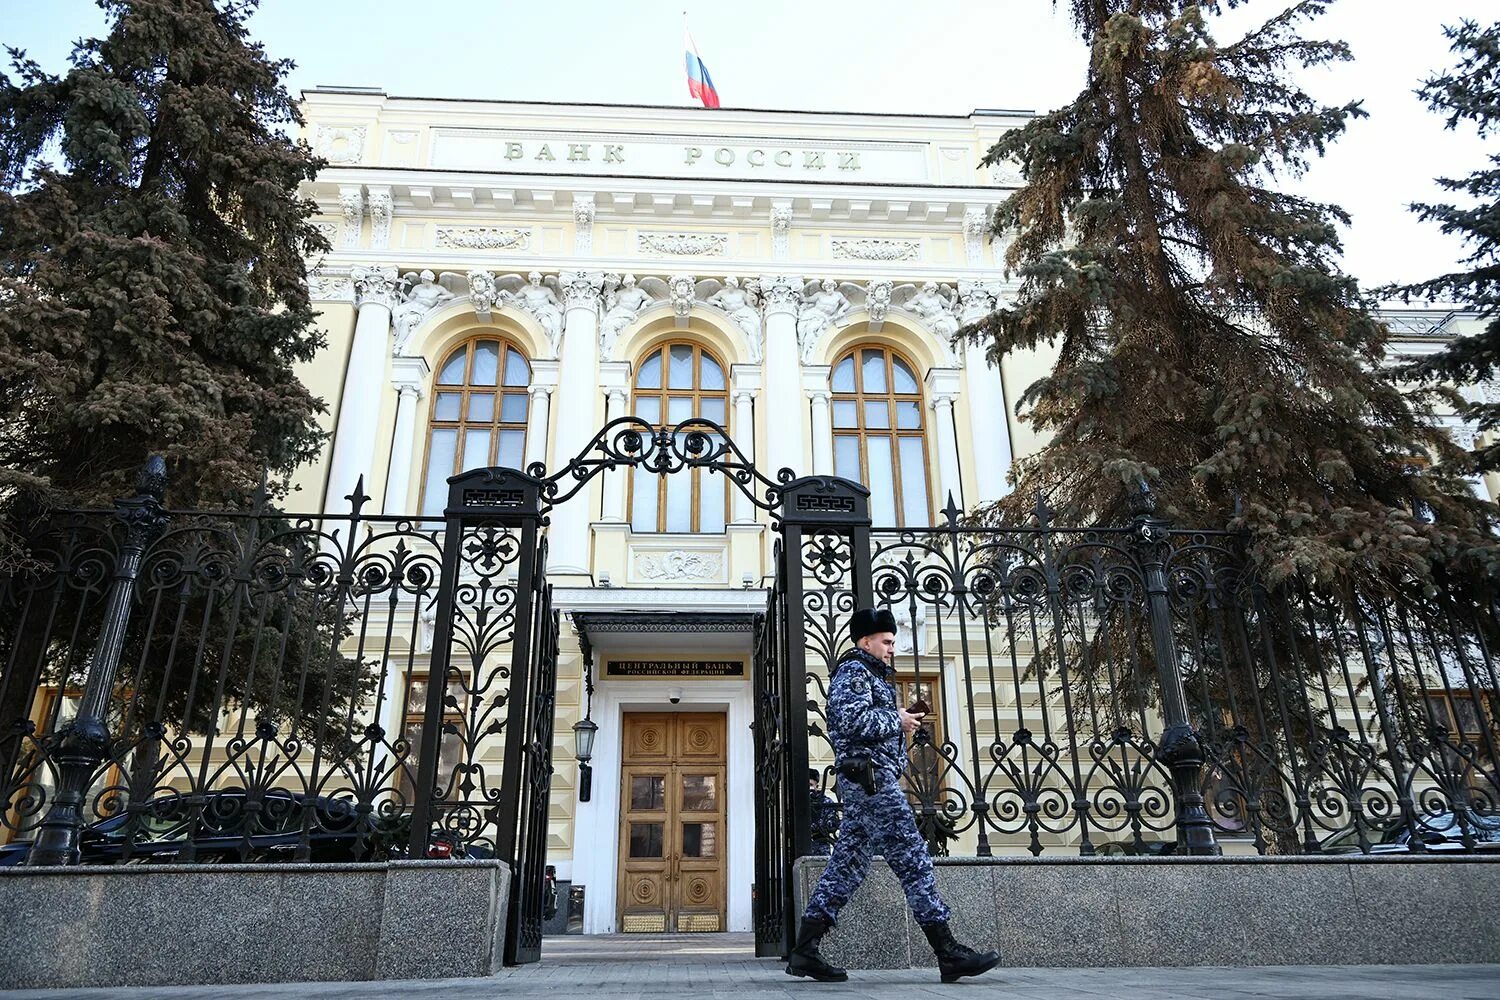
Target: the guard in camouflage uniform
(868, 729)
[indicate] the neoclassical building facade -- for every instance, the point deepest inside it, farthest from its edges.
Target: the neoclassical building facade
(505, 278)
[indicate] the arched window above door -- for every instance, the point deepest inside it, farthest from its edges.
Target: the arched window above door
(675, 382)
(880, 434)
(478, 415)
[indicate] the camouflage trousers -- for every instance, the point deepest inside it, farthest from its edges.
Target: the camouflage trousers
(877, 824)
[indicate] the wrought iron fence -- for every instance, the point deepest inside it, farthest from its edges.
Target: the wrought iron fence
(191, 685)
(1136, 689)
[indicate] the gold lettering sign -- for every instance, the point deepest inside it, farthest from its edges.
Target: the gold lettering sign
(674, 668)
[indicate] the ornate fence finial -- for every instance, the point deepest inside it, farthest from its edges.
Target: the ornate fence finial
(151, 480)
(1042, 511)
(1141, 498)
(952, 512)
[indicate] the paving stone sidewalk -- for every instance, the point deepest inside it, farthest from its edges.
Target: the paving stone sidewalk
(720, 967)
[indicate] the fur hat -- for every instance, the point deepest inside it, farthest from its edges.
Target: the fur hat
(868, 621)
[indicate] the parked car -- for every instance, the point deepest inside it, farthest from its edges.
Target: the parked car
(220, 833)
(1441, 833)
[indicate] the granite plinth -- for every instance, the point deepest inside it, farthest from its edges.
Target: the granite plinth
(158, 925)
(1233, 911)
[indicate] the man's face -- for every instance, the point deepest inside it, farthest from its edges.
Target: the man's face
(881, 645)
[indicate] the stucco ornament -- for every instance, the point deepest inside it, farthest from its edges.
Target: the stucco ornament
(624, 300)
(1007, 173)
(375, 285)
(352, 207)
(341, 144)
(976, 300)
(878, 301)
(483, 238)
(382, 210)
(740, 303)
(683, 244)
(781, 228)
(537, 296)
(823, 305)
(876, 249)
(933, 305)
(483, 294)
(679, 565)
(424, 293)
(583, 225)
(684, 291)
(330, 287)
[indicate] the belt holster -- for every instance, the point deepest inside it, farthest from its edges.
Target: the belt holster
(860, 771)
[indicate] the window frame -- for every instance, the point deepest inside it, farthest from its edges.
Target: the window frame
(413, 714)
(495, 425)
(894, 433)
(663, 393)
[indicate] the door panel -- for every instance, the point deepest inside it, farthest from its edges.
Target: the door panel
(672, 823)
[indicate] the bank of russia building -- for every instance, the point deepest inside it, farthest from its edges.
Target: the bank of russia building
(795, 277)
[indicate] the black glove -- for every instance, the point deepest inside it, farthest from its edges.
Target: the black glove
(860, 771)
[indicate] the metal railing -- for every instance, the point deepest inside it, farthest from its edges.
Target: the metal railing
(1137, 689)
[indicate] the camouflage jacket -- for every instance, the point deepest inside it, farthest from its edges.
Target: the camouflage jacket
(862, 719)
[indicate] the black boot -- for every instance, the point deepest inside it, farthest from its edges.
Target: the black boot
(955, 960)
(805, 960)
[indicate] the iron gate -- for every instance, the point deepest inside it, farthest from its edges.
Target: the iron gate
(308, 630)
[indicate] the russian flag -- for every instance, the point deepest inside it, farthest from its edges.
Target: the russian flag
(700, 84)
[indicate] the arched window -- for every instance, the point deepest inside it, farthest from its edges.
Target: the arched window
(478, 415)
(879, 437)
(673, 383)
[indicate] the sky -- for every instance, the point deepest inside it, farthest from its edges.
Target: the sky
(933, 57)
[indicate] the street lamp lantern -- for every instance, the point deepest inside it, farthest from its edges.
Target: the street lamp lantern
(584, 731)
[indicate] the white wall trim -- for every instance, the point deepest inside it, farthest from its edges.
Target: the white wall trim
(597, 822)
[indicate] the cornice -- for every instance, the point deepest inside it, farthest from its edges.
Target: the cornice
(402, 179)
(569, 599)
(691, 118)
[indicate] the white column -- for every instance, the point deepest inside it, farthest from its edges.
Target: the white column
(536, 425)
(989, 422)
(577, 391)
(746, 382)
(359, 406)
(409, 379)
(989, 427)
(614, 379)
(785, 433)
(815, 386)
(942, 390)
(539, 411)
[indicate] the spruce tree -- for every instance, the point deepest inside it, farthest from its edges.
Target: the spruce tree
(152, 266)
(153, 300)
(1470, 94)
(1207, 340)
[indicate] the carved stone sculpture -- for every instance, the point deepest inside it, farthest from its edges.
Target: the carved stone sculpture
(621, 306)
(423, 295)
(483, 293)
(740, 305)
(878, 302)
(822, 306)
(684, 293)
(539, 300)
(934, 306)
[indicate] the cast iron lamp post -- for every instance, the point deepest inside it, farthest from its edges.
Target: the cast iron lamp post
(583, 737)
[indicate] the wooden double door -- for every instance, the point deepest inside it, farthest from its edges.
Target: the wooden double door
(673, 838)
